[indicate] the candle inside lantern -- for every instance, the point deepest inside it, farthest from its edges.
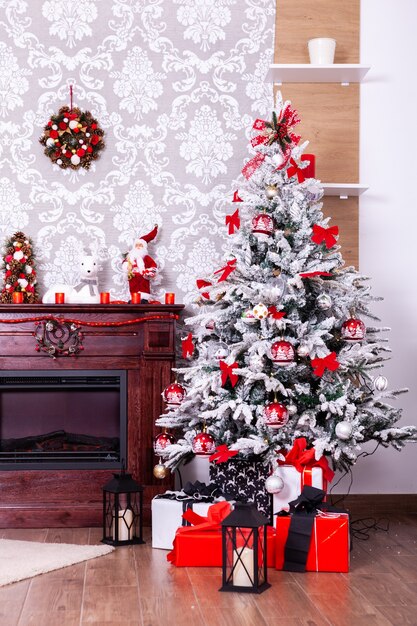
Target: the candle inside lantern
(104, 297)
(170, 298)
(59, 298)
(125, 525)
(244, 562)
(17, 297)
(135, 297)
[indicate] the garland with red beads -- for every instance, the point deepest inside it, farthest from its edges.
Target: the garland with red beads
(72, 138)
(42, 318)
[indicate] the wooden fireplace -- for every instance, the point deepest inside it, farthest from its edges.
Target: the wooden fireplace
(136, 339)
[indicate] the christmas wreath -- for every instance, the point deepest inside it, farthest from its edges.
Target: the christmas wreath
(72, 138)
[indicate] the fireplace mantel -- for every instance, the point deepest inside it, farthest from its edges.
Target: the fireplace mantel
(146, 350)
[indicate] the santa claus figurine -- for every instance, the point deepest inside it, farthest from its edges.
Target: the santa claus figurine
(140, 267)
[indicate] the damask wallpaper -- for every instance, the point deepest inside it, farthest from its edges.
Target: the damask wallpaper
(175, 84)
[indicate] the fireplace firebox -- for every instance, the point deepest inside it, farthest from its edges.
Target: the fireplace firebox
(63, 419)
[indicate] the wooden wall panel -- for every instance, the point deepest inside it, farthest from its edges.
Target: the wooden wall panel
(299, 21)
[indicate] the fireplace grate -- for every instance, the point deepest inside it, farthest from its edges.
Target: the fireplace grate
(61, 456)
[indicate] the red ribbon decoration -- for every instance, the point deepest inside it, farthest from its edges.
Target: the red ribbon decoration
(312, 274)
(329, 362)
(227, 270)
(233, 222)
(252, 165)
(295, 170)
(187, 346)
(301, 458)
(236, 197)
(274, 313)
(227, 373)
(222, 454)
(326, 235)
(203, 283)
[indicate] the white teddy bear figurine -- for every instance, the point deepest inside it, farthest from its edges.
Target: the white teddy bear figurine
(84, 292)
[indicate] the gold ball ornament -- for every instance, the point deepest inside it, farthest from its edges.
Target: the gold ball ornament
(271, 191)
(160, 471)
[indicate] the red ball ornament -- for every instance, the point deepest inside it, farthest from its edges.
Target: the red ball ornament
(275, 415)
(353, 329)
(174, 394)
(204, 444)
(262, 224)
(282, 353)
(161, 441)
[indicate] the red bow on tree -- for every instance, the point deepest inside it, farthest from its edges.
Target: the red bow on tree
(233, 221)
(328, 236)
(312, 274)
(294, 169)
(203, 283)
(223, 454)
(274, 313)
(236, 197)
(329, 362)
(302, 458)
(227, 373)
(226, 270)
(187, 346)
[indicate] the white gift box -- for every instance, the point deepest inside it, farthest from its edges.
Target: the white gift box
(294, 481)
(167, 518)
(196, 469)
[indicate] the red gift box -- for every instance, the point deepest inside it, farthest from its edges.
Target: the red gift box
(200, 545)
(329, 547)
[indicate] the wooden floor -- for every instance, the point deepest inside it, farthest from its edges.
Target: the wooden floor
(136, 585)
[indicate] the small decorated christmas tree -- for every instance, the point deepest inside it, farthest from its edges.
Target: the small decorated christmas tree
(279, 349)
(19, 269)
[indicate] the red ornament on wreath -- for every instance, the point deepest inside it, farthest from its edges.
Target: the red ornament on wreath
(262, 225)
(282, 353)
(174, 394)
(275, 415)
(161, 441)
(203, 444)
(353, 329)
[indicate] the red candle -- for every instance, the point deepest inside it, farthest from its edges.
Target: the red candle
(135, 297)
(17, 297)
(104, 297)
(170, 298)
(60, 298)
(310, 170)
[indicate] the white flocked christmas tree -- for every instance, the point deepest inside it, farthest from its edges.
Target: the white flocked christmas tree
(281, 350)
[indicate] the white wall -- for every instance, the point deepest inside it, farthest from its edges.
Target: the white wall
(388, 215)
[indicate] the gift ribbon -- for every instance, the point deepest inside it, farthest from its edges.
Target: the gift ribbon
(187, 346)
(328, 236)
(226, 270)
(233, 222)
(227, 373)
(222, 454)
(303, 459)
(295, 170)
(329, 362)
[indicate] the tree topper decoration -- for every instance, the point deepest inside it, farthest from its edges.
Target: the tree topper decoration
(72, 138)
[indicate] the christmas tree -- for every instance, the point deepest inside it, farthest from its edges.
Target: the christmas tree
(279, 349)
(19, 269)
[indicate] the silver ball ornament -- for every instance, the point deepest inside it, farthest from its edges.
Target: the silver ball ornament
(292, 409)
(380, 383)
(303, 350)
(274, 484)
(324, 302)
(344, 430)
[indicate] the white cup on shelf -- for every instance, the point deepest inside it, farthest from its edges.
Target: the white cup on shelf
(321, 50)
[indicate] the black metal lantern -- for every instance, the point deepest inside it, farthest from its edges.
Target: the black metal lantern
(122, 511)
(244, 550)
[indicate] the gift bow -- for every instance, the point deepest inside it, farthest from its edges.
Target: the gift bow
(274, 313)
(295, 170)
(187, 346)
(233, 222)
(222, 454)
(227, 373)
(326, 235)
(329, 362)
(226, 270)
(302, 459)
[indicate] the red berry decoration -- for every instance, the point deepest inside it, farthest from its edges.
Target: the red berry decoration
(353, 329)
(203, 444)
(161, 441)
(282, 353)
(174, 394)
(262, 224)
(275, 415)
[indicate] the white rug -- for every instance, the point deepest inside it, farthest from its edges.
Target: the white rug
(24, 559)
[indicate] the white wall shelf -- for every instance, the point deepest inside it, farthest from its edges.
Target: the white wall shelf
(343, 190)
(343, 73)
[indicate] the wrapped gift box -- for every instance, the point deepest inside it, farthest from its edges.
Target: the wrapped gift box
(329, 546)
(196, 469)
(294, 482)
(244, 481)
(167, 518)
